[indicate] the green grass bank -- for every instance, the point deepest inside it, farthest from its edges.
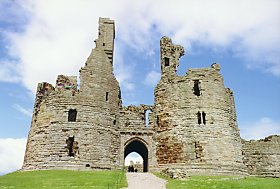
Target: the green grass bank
(63, 179)
(222, 182)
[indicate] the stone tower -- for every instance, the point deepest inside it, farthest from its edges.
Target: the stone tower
(74, 128)
(195, 114)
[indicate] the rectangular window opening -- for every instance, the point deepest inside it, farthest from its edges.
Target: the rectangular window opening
(72, 115)
(204, 117)
(199, 118)
(103, 44)
(70, 142)
(107, 96)
(196, 90)
(147, 117)
(166, 61)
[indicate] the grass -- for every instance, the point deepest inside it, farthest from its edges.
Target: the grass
(222, 182)
(63, 179)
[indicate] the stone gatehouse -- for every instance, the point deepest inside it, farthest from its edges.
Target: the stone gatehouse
(191, 129)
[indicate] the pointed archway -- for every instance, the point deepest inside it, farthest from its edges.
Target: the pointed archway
(136, 145)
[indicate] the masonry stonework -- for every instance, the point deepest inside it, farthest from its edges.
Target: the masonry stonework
(190, 129)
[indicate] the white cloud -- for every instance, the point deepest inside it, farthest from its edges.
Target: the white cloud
(152, 78)
(11, 154)
(58, 38)
(260, 129)
(25, 111)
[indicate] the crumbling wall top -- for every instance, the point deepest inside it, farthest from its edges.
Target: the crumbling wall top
(169, 55)
(106, 36)
(66, 82)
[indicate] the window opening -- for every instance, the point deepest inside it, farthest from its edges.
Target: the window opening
(204, 117)
(72, 115)
(196, 89)
(103, 44)
(70, 142)
(147, 117)
(199, 118)
(87, 165)
(107, 96)
(166, 61)
(158, 120)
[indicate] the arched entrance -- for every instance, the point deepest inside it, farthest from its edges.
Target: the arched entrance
(136, 145)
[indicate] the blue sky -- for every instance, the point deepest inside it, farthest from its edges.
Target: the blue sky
(41, 39)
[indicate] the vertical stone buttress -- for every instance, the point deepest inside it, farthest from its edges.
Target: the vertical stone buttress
(195, 118)
(90, 138)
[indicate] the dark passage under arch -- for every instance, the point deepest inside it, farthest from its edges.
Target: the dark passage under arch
(141, 149)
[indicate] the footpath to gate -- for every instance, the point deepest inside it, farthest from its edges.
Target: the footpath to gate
(144, 181)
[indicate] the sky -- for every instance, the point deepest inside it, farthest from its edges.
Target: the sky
(42, 39)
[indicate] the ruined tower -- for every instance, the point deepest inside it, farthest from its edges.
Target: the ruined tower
(196, 120)
(74, 128)
(190, 129)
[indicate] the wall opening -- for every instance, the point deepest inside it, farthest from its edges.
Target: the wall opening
(72, 146)
(140, 148)
(166, 61)
(147, 117)
(196, 90)
(204, 117)
(134, 162)
(157, 120)
(107, 96)
(72, 114)
(199, 118)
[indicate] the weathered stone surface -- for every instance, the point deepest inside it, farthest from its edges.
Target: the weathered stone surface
(262, 157)
(191, 127)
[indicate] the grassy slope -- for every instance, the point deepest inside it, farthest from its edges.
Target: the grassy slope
(223, 182)
(63, 179)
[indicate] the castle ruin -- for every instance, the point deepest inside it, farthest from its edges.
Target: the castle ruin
(192, 127)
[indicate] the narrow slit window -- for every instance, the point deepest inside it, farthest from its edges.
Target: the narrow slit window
(196, 90)
(72, 115)
(204, 117)
(103, 44)
(147, 117)
(199, 118)
(166, 61)
(107, 96)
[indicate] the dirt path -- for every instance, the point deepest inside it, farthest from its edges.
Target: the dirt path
(144, 181)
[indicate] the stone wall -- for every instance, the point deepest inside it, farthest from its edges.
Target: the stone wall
(133, 127)
(262, 157)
